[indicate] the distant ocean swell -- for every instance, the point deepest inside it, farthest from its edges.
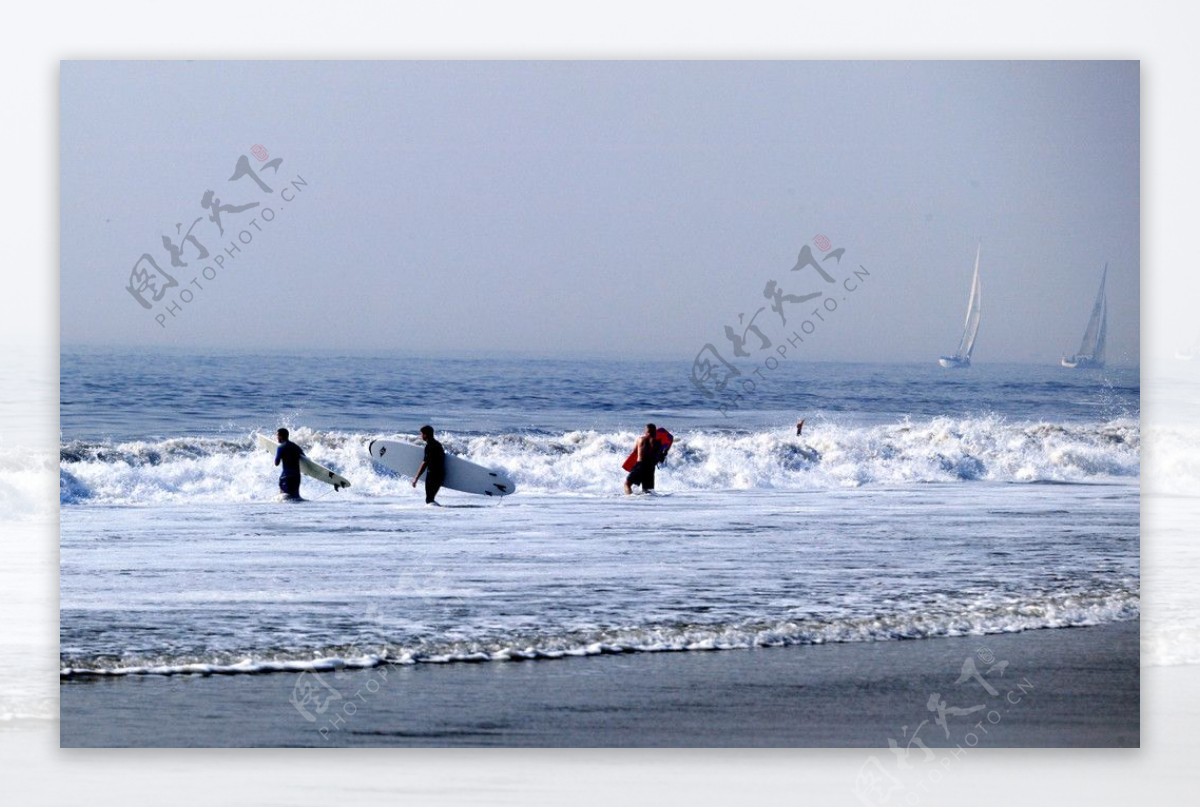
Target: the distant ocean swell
(1050, 611)
(945, 450)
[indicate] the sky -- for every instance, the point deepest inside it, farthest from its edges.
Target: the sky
(614, 209)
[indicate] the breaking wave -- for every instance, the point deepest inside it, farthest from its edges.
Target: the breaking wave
(940, 450)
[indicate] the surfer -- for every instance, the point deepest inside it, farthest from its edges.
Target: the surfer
(799, 426)
(433, 466)
(288, 456)
(647, 457)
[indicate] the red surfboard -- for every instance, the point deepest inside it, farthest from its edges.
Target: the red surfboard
(664, 438)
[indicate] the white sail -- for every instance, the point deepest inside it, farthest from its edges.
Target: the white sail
(966, 346)
(971, 328)
(1095, 337)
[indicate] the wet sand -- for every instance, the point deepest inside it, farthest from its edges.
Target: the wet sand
(1075, 687)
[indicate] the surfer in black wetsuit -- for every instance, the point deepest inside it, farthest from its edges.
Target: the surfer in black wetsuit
(647, 458)
(433, 466)
(288, 456)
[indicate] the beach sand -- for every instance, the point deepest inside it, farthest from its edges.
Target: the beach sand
(1061, 687)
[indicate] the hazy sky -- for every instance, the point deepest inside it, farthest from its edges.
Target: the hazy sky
(611, 208)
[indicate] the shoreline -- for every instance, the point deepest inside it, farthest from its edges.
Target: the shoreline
(1061, 687)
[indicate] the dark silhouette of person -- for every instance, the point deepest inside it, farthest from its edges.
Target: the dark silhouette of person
(288, 456)
(647, 457)
(433, 466)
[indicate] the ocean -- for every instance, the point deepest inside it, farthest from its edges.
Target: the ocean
(918, 503)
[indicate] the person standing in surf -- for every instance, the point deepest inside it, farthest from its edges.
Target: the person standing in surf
(288, 456)
(647, 457)
(433, 466)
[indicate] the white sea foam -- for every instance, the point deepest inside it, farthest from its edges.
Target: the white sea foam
(26, 483)
(769, 539)
(586, 462)
(1172, 458)
(1060, 611)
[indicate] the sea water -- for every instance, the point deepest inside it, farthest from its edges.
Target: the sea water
(919, 502)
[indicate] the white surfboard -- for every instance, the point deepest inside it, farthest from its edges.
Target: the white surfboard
(461, 475)
(307, 467)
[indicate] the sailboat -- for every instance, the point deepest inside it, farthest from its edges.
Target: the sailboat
(1091, 349)
(962, 357)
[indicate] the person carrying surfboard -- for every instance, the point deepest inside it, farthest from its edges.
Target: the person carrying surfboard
(642, 473)
(433, 466)
(288, 456)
